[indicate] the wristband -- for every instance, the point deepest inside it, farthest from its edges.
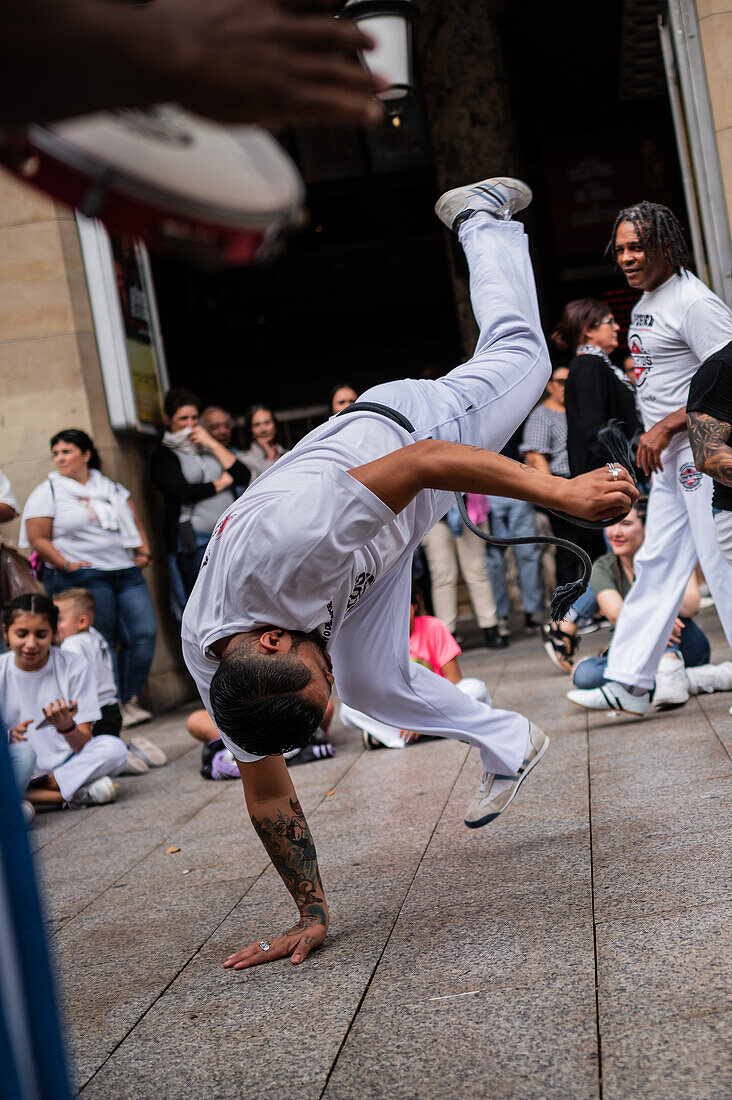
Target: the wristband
(67, 733)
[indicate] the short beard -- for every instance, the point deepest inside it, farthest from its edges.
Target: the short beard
(299, 637)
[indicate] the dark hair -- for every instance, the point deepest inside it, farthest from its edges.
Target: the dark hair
(658, 231)
(249, 416)
(255, 702)
(640, 508)
(33, 603)
(578, 317)
(81, 440)
(176, 399)
(340, 386)
(82, 599)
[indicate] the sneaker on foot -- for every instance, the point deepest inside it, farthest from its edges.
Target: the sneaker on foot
(611, 696)
(496, 792)
(134, 765)
(133, 714)
(493, 638)
(503, 628)
(147, 751)
(500, 196)
(28, 810)
(559, 647)
(309, 753)
(671, 687)
(217, 762)
(709, 678)
(94, 794)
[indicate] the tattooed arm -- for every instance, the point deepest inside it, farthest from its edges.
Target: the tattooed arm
(709, 440)
(281, 826)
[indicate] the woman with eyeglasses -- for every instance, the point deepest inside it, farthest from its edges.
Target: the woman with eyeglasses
(596, 391)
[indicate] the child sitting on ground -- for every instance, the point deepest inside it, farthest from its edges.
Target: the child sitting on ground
(51, 698)
(430, 644)
(76, 634)
(218, 763)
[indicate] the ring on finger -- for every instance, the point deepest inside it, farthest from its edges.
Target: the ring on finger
(265, 945)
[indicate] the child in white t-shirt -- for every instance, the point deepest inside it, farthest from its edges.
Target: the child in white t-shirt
(76, 634)
(51, 695)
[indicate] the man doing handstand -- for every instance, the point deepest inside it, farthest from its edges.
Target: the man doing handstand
(307, 577)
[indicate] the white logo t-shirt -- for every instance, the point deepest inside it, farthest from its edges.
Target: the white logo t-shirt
(303, 546)
(93, 648)
(673, 330)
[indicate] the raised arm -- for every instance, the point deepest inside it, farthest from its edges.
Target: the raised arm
(431, 464)
(280, 823)
(709, 440)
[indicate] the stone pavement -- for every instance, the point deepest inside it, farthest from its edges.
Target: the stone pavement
(577, 948)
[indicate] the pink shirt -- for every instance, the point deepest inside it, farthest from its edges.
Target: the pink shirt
(432, 644)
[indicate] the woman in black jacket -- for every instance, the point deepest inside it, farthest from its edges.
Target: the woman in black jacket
(195, 475)
(596, 392)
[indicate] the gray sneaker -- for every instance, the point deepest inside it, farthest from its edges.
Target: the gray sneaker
(496, 792)
(500, 196)
(95, 793)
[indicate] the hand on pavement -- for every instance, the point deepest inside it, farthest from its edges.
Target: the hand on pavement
(299, 941)
(597, 495)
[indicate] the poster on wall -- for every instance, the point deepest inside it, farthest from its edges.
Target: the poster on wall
(126, 325)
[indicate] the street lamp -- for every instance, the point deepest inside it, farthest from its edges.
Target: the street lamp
(389, 22)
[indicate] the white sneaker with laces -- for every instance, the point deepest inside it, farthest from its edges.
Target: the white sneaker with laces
(133, 765)
(500, 196)
(147, 751)
(709, 678)
(671, 689)
(95, 793)
(610, 696)
(496, 792)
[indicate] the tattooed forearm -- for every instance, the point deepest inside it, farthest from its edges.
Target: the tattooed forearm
(287, 838)
(709, 440)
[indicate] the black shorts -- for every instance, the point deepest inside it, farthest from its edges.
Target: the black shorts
(110, 722)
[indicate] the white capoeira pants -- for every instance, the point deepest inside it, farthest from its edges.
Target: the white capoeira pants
(480, 403)
(723, 531)
(390, 736)
(103, 755)
(679, 530)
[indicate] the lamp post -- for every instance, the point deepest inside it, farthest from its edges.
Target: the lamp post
(389, 22)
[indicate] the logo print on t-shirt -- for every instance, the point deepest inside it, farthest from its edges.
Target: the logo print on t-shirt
(689, 477)
(363, 581)
(642, 361)
(219, 529)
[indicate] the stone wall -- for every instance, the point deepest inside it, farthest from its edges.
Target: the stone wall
(50, 379)
(715, 23)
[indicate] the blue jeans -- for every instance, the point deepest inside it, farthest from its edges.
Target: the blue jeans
(124, 617)
(23, 760)
(694, 649)
(511, 519)
(584, 608)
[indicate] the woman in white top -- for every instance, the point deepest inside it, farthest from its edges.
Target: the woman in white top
(262, 448)
(88, 534)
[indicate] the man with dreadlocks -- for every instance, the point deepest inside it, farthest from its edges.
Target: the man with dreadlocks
(677, 324)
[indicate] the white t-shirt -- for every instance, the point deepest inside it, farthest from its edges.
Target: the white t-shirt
(303, 544)
(76, 531)
(94, 649)
(23, 695)
(673, 330)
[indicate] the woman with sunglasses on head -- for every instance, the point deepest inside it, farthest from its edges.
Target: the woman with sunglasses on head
(596, 392)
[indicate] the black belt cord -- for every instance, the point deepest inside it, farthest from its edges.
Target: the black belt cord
(614, 441)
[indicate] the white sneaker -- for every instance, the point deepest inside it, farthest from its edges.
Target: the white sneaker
(671, 687)
(147, 751)
(28, 810)
(611, 696)
(95, 793)
(134, 765)
(496, 792)
(500, 196)
(709, 678)
(133, 714)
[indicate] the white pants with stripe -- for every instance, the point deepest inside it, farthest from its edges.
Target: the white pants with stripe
(103, 755)
(679, 531)
(391, 736)
(481, 402)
